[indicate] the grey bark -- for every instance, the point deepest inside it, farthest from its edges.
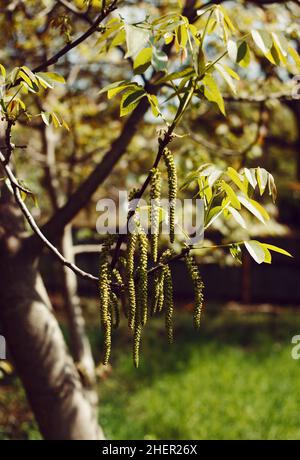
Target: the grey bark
(48, 373)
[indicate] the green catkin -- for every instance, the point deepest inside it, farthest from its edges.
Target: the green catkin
(114, 310)
(161, 294)
(137, 344)
(155, 191)
(156, 291)
(104, 288)
(132, 241)
(117, 277)
(198, 288)
(172, 183)
(142, 283)
(169, 302)
(107, 340)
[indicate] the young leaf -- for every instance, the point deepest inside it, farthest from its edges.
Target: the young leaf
(52, 76)
(237, 179)
(294, 55)
(153, 104)
(250, 175)
(255, 250)
(3, 71)
(130, 101)
(272, 187)
(159, 60)
(142, 61)
(136, 39)
(262, 179)
(231, 195)
(226, 77)
(256, 209)
(212, 92)
(243, 55)
(276, 249)
(237, 217)
(263, 40)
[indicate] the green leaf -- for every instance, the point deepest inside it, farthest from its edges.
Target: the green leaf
(235, 251)
(268, 255)
(255, 250)
(25, 77)
(153, 104)
(3, 71)
(115, 88)
(227, 18)
(294, 55)
(243, 55)
(130, 101)
(263, 40)
(231, 195)
(212, 92)
(46, 117)
(272, 187)
(44, 83)
(182, 35)
(237, 217)
(187, 71)
(211, 172)
(52, 76)
(281, 42)
(226, 77)
(213, 214)
(159, 60)
(255, 208)
(250, 175)
(262, 179)
(136, 39)
(237, 179)
(277, 249)
(142, 61)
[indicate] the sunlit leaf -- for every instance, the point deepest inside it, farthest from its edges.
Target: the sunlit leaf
(136, 39)
(255, 250)
(142, 61)
(212, 92)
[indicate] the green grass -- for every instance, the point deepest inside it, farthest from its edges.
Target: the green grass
(235, 379)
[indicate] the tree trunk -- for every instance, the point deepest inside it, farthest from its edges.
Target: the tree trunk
(33, 336)
(80, 345)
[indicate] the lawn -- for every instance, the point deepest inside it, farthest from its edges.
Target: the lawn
(234, 379)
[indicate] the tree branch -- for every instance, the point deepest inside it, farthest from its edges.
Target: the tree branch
(105, 12)
(29, 218)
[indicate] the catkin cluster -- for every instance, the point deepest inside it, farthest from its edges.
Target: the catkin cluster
(172, 183)
(198, 288)
(155, 192)
(131, 246)
(130, 281)
(105, 299)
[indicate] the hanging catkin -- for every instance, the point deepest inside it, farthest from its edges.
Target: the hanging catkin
(136, 344)
(169, 303)
(114, 310)
(142, 282)
(104, 290)
(198, 288)
(132, 240)
(172, 183)
(155, 190)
